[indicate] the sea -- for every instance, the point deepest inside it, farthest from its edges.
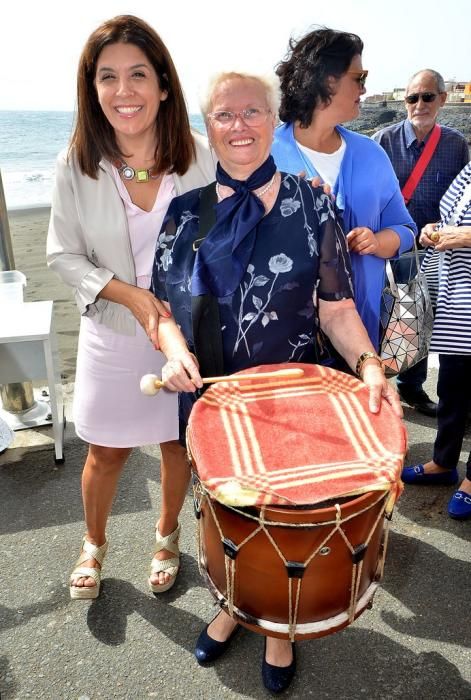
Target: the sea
(29, 144)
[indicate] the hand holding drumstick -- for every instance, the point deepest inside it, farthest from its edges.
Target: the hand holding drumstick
(151, 384)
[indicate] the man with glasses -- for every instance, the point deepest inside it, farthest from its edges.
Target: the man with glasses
(404, 143)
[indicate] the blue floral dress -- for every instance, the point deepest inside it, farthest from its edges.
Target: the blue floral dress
(299, 256)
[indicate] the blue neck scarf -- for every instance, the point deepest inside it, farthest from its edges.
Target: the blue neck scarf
(222, 258)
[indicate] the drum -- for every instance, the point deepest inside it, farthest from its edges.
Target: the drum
(295, 483)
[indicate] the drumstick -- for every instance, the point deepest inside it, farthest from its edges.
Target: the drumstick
(150, 383)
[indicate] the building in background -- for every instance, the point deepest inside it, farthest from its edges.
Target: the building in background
(457, 92)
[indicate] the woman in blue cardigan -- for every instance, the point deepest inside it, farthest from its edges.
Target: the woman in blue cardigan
(322, 81)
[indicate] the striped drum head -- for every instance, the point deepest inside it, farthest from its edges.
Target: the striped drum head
(294, 442)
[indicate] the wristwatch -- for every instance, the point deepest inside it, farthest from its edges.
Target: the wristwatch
(367, 356)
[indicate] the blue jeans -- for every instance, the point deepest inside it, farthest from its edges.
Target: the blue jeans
(413, 379)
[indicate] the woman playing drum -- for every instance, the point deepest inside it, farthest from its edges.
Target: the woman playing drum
(277, 263)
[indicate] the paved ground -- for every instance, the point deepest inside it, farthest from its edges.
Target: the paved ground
(414, 643)
(128, 644)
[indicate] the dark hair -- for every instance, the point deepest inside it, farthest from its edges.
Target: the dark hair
(305, 71)
(94, 137)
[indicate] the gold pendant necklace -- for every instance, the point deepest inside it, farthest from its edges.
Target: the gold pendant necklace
(138, 174)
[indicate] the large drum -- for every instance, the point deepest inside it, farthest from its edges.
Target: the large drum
(295, 482)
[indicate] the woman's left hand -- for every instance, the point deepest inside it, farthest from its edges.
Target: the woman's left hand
(362, 240)
(454, 237)
(327, 189)
(317, 181)
(380, 388)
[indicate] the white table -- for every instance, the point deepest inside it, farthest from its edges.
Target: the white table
(28, 351)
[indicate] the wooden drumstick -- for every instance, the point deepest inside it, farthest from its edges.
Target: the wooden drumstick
(150, 383)
(435, 236)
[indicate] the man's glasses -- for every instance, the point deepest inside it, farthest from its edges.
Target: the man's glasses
(424, 96)
(252, 116)
(360, 76)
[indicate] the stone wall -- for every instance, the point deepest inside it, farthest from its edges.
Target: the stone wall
(376, 116)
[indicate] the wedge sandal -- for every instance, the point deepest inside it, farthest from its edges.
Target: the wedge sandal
(169, 566)
(89, 551)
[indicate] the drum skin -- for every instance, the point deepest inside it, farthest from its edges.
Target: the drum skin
(261, 580)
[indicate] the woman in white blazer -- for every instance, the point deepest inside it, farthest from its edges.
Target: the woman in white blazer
(131, 152)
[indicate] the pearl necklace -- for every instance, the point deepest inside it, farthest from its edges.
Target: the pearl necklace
(258, 194)
(139, 174)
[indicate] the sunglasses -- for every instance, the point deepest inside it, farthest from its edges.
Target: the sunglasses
(424, 96)
(360, 76)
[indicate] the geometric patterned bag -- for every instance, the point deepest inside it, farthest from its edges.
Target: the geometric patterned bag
(406, 317)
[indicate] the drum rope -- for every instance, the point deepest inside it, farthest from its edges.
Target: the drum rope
(303, 526)
(230, 578)
(356, 586)
(211, 508)
(382, 556)
(358, 567)
(249, 537)
(229, 564)
(292, 618)
(199, 549)
(264, 525)
(298, 595)
(199, 543)
(291, 622)
(351, 607)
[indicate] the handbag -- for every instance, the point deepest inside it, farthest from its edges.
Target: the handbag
(406, 315)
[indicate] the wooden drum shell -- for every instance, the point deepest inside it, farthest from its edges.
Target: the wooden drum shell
(261, 597)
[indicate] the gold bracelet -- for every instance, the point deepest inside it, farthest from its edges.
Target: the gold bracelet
(367, 356)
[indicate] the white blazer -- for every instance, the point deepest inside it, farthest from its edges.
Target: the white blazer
(88, 238)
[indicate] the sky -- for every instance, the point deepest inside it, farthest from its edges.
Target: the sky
(40, 42)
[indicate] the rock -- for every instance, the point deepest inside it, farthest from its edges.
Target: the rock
(376, 116)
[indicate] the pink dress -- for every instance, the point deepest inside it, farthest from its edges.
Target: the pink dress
(109, 408)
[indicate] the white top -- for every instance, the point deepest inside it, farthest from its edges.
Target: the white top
(326, 164)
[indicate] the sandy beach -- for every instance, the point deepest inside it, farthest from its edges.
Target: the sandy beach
(28, 229)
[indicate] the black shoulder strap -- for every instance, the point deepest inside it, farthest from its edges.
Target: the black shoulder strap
(207, 336)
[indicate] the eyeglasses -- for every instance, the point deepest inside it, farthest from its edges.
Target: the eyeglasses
(416, 96)
(361, 76)
(252, 116)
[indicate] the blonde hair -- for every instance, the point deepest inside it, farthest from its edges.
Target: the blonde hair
(269, 82)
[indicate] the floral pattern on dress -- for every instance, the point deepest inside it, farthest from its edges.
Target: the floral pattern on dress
(300, 255)
(278, 264)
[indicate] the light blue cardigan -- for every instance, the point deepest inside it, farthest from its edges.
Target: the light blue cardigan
(367, 194)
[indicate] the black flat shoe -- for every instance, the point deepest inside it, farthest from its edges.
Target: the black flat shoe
(277, 678)
(208, 649)
(420, 401)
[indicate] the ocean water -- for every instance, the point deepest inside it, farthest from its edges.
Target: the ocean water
(29, 144)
